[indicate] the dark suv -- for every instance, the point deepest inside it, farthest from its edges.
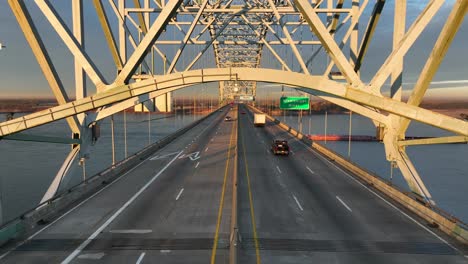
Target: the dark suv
(280, 147)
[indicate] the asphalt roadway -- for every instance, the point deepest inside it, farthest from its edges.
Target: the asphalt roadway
(175, 207)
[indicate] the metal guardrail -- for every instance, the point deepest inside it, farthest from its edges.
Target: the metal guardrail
(31, 218)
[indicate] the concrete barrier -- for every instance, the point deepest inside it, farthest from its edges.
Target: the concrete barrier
(434, 216)
(29, 221)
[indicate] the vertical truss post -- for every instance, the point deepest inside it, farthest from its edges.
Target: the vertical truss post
(369, 33)
(37, 46)
(153, 33)
(80, 82)
(394, 153)
(101, 13)
(405, 44)
(454, 21)
(398, 125)
(187, 37)
(399, 27)
(288, 37)
(122, 33)
(328, 42)
(353, 42)
(62, 30)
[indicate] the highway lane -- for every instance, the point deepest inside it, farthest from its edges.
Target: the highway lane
(166, 210)
(306, 210)
(174, 207)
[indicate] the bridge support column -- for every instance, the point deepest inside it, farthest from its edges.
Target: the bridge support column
(68, 170)
(163, 103)
(397, 154)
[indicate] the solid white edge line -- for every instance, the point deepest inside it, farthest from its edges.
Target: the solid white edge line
(116, 214)
(140, 258)
(180, 193)
(78, 205)
(383, 199)
(196, 166)
(297, 202)
(311, 171)
(71, 210)
(343, 203)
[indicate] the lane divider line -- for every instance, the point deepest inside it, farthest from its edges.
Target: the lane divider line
(311, 171)
(140, 259)
(309, 148)
(196, 166)
(221, 202)
(379, 196)
(278, 169)
(252, 214)
(206, 149)
(81, 203)
(116, 214)
(343, 203)
(180, 193)
(297, 202)
(73, 209)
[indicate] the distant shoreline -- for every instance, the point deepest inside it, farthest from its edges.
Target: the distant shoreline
(453, 109)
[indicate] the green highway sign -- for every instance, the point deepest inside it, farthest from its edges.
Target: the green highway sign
(294, 103)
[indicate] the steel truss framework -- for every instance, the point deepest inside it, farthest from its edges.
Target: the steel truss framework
(239, 33)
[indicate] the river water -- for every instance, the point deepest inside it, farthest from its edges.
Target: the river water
(27, 168)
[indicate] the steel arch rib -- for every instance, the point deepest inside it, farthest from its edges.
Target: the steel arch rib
(179, 80)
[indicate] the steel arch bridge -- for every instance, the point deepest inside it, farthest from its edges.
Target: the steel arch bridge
(238, 34)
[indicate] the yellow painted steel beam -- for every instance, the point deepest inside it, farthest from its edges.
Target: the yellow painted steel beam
(406, 43)
(369, 33)
(107, 33)
(328, 42)
(75, 48)
(318, 83)
(37, 46)
(454, 21)
(430, 141)
(141, 20)
(149, 39)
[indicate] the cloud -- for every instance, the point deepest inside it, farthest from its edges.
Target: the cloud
(443, 82)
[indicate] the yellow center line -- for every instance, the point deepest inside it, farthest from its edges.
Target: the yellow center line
(221, 202)
(252, 214)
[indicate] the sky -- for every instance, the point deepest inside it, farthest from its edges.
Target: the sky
(21, 76)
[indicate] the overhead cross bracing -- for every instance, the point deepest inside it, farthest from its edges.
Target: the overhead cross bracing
(239, 55)
(174, 44)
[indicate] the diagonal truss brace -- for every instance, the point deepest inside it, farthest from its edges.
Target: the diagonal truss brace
(310, 15)
(72, 44)
(42, 57)
(108, 33)
(153, 33)
(441, 47)
(405, 44)
(187, 37)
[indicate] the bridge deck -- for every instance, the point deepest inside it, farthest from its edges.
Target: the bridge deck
(166, 210)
